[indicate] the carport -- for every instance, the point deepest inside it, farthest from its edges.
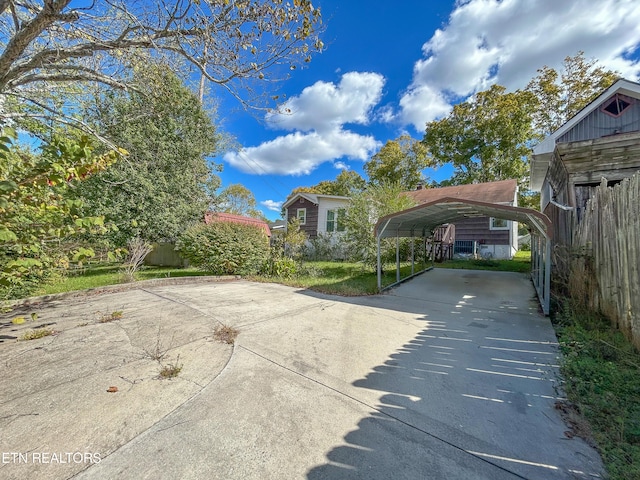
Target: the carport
(421, 222)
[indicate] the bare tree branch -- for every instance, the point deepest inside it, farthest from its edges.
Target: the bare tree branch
(230, 43)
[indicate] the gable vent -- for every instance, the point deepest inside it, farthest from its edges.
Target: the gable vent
(616, 105)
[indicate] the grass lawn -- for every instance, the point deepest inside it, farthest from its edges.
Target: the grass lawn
(101, 275)
(601, 370)
(521, 263)
(341, 278)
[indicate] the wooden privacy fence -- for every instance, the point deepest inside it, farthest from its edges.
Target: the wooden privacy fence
(165, 255)
(606, 246)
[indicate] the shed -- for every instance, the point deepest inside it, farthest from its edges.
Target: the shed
(600, 141)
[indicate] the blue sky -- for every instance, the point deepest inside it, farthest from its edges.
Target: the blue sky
(391, 66)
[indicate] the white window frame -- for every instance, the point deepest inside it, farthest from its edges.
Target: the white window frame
(333, 221)
(303, 220)
(493, 227)
(337, 220)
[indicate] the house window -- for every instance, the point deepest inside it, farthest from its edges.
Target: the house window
(616, 105)
(302, 215)
(335, 219)
(499, 224)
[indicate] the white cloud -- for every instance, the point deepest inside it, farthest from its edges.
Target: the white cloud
(341, 165)
(272, 205)
(300, 153)
(317, 117)
(487, 41)
(326, 106)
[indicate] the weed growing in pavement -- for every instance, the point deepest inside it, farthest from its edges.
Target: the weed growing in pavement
(37, 333)
(110, 317)
(171, 370)
(158, 351)
(225, 334)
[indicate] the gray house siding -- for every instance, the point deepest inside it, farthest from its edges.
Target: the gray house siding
(477, 229)
(599, 124)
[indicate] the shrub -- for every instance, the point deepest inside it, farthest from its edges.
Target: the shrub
(286, 252)
(224, 248)
(326, 247)
(283, 267)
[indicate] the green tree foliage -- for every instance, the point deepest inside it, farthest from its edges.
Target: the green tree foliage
(489, 137)
(561, 95)
(165, 183)
(38, 220)
(239, 200)
(364, 211)
(225, 248)
(399, 161)
(485, 138)
(346, 184)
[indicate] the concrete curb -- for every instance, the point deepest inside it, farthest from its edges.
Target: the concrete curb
(120, 287)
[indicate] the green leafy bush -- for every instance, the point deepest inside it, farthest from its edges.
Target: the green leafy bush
(225, 248)
(285, 255)
(283, 267)
(40, 223)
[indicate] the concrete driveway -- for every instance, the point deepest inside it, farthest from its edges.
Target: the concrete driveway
(451, 375)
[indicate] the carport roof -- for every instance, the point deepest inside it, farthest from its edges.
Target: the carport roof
(421, 220)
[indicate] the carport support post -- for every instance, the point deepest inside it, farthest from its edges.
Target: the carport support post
(547, 276)
(424, 248)
(397, 257)
(379, 265)
(412, 254)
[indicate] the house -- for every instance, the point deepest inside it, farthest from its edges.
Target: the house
(487, 236)
(318, 214)
(600, 141)
(211, 217)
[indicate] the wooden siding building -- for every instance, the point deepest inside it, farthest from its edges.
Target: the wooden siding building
(318, 214)
(601, 141)
(494, 237)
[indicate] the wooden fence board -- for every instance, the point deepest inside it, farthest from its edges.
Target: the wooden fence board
(606, 245)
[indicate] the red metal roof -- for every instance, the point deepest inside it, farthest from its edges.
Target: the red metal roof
(232, 218)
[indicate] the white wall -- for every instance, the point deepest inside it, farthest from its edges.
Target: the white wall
(497, 252)
(326, 204)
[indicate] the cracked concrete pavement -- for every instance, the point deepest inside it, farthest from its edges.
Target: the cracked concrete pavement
(450, 375)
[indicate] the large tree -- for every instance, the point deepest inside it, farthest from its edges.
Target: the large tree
(51, 44)
(489, 136)
(486, 138)
(561, 95)
(165, 182)
(399, 161)
(239, 200)
(347, 183)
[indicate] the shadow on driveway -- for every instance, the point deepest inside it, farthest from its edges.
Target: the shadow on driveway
(471, 396)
